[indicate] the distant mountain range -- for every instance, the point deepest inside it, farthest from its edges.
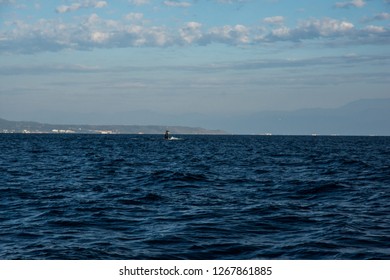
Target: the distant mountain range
(36, 127)
(362, 117)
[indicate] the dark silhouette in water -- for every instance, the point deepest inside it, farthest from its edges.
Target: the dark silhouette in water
(166, 136)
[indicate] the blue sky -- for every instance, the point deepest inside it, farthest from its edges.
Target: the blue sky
(104, 61)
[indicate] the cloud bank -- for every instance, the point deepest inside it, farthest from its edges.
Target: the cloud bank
(96, 32)
(77, 6)
(351, 4)
(135, 29)
(180, 4)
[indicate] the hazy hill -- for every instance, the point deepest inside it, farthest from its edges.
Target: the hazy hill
(36, 127)
(363, 117)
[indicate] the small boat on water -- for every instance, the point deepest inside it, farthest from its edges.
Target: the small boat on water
(168, 137)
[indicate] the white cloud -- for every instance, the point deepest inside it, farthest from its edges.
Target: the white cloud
(133, 30)
(377, 17)
(232, 35)
(139, 2)
(326, 27)
(77, 6)
(180, 4)
(99, 37)
(134, 16)
(100, 4)
(313, 28)
(382, 16)
(65, 9)
(375, 29)
(282, 32)
(349, 4)
(274, 20)
(191, 32)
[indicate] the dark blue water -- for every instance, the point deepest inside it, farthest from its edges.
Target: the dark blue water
(202, 197)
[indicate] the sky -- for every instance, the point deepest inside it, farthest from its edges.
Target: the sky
(91, 61)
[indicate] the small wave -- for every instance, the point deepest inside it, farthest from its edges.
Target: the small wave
(152, 197)
(323, 188)
(174, 138)
(176, 176)
(66, 223)
(137, 201)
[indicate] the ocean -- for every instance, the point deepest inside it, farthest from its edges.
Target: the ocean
(200, 197)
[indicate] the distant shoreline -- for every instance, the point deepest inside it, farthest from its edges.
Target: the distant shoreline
(193, 134)
(26, 127)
